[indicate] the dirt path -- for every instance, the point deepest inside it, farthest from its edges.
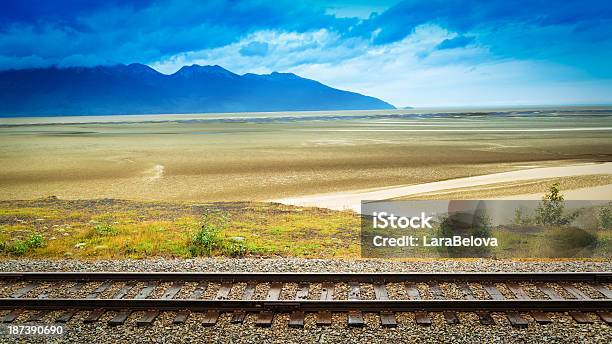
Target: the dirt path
(351, 199)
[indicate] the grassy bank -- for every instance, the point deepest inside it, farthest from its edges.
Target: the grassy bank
(116, 229)
(102, 229)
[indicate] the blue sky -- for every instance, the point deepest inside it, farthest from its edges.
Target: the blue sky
(419, 53)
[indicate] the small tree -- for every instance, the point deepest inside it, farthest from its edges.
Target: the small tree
(208, 238)
(552, 208)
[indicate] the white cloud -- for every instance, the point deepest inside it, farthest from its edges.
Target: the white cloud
(284, 51)
(407, 72)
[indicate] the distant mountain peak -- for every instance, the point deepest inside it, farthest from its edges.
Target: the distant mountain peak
(284, 75)
(139, 89)
(140, 66)
(196, 69)
(274, 76)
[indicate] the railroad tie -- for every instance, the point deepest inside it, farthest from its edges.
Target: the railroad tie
(484, 316)
(97, 313)
(296, 319)
(355, 316)
(324, 318)
(38, 316)
(181, 316)
(240, 314)
(212, 315)
(149, 316)
(12, 315)
(387, 318)
(449, 316)
(515, 318)
(606, 316)
(21, 292)
(67, 315)
(422, 318)
(265, 317)
(15, 313)
(607, 293)
(603, 290)
(539, 316)
(578, 316)
(122, 316)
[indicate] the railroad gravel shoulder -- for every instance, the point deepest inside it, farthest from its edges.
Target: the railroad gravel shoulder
(562, 330)
(303, 265)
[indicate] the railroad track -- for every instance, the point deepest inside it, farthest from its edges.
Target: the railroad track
(522, 297)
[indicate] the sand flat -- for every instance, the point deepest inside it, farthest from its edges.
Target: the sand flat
(256, 157)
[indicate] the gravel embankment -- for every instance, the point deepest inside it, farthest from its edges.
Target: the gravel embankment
(563, 330)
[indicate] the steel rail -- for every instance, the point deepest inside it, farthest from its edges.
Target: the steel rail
(388, 277)
(309, 305)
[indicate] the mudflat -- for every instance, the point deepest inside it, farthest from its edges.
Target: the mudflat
(257, 157)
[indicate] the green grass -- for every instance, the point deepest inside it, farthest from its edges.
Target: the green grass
(21, 247)
(27, 213)
(130, 229)
(125, 229)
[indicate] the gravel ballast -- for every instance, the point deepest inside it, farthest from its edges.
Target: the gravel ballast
(303, 265)
(563, 329)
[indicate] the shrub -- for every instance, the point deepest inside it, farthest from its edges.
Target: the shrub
(35, 241)
(552, 208)
(21, 247)
(205, 240)
(604, 217)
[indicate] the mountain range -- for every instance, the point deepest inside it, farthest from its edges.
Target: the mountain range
(140, 89)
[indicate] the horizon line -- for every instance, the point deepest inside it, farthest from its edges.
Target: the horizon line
(527, 107)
